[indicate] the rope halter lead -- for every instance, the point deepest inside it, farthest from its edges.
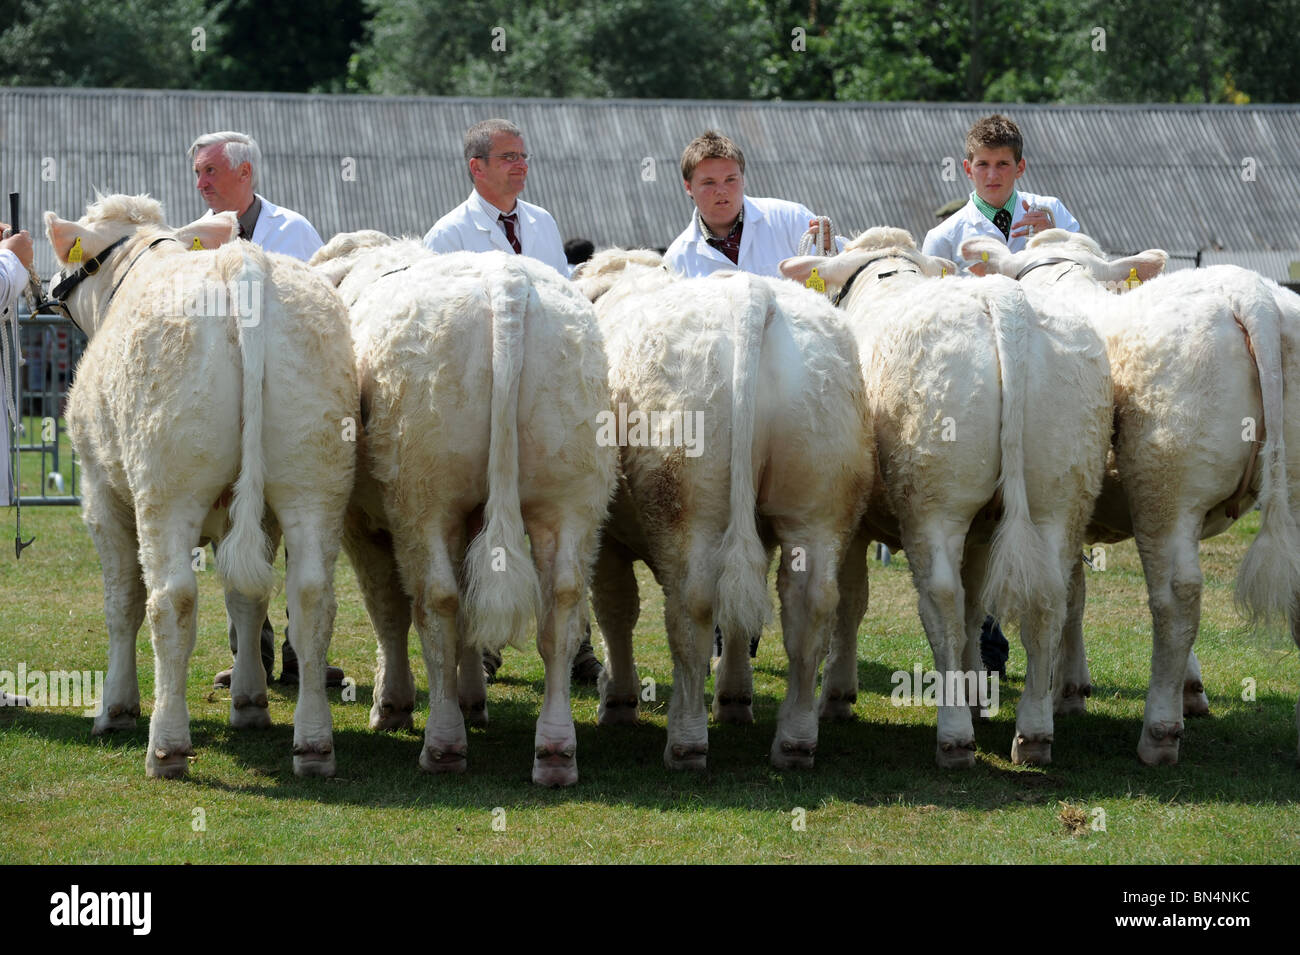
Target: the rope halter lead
(844, 289)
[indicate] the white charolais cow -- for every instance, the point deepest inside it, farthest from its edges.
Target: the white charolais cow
(1203, 417)
(207, 369)
(482, 380)
(980, 405)
(742, 425)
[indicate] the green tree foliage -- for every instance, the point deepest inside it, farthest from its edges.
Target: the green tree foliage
(123, 43)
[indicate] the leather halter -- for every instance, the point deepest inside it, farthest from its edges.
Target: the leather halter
(59, 294)
(844, 289)
(1037, 263)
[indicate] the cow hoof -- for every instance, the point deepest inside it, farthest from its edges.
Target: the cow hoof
(1195, 702)
(955, 755)
(617, 711)
(1031, 752)
(793, 754)
(444, 759)
(249, 713)
(1159, 744)
(837, 706)
(168, 764)
(116, 718)
(555, 765)
(474, 711)
(392, 716)
(689, 756)
(313, 759)
(737, 709)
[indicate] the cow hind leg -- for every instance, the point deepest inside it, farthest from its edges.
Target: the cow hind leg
(1172, 565)
(371, 553)
(617, 604)
(435, 608)
(733, 685)
(248, 698)
(112, 527)
(1071, 681)
(688, 615)
(935, 557)
(471, 685)
(171, 607)
(840, 674)
(312, 543)
(1040, 633)
(809, 597)
(560, 572)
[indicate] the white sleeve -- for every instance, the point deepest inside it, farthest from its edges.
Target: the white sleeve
(1063, 219)
(13, 276)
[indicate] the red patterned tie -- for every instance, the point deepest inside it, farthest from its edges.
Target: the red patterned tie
(509, 222)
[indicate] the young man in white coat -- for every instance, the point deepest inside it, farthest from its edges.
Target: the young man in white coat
(996, 209)
(728, 229)
(494, 217)
(226, 174)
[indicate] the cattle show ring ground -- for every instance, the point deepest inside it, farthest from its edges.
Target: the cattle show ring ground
(875, 794)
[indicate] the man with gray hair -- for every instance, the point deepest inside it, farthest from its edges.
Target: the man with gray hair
(494, 217)
(227, 172)
(227, 168)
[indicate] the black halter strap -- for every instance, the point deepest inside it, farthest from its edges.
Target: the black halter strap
(844, 290)
(59, 294)
(1054, 260)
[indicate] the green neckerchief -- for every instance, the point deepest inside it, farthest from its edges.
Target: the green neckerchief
(989, 210)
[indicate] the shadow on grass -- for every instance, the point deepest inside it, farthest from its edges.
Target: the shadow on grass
(1246, 754)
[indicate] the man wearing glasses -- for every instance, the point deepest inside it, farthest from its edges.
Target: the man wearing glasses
(494, 217)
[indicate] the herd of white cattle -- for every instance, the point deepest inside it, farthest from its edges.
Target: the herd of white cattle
(447, 420)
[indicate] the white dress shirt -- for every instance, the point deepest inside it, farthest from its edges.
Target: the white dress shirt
(945, 240)
(473, 227)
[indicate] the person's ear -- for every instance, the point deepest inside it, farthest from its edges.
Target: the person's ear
(965, 164)
(1020, 167)
(686, 184)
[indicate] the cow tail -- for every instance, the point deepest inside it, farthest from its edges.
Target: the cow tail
(1269, 576)
(244, 557)
(742, 604)
(502, 593)
(1021, 573)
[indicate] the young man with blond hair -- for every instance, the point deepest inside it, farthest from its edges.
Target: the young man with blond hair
(730, 230)
(996, 209)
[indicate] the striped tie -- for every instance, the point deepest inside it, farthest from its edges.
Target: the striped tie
(509, 222)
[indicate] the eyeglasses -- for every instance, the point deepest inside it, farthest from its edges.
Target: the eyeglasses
(509, 158)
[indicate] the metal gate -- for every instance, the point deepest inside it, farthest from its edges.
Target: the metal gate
(41, 460)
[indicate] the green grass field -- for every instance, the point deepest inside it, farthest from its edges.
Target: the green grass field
(875, 795)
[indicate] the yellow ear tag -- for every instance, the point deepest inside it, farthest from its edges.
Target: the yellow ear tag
(943, 272)
(815, 282)
(197, 246)
(75, 254)
(984, 256)
(1133, 281)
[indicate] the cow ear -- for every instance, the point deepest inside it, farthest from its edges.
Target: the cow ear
(936, 266)
(64, 237)
(335, 270)
(210, 232)
(834, 271)
(986, 255)
(1148, 264)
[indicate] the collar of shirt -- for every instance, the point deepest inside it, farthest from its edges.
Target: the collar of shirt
(248, 221)
(492, 211)
(989, 211)
(730, 244)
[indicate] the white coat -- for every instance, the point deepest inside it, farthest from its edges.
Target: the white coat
(282, 230)
(772, 231)
(473, 227)
(945, 240)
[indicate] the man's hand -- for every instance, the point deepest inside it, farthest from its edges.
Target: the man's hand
(1035, 220)
(826, 238)
(20, 244)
